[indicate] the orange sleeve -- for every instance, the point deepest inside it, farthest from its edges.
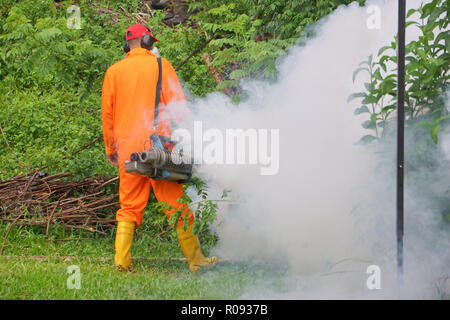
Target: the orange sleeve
(108, 113)
(172, 94)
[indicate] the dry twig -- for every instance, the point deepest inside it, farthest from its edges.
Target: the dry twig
(51, 199)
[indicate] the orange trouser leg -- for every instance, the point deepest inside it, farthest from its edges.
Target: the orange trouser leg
(133, 195)
(134, 190)
(169, 192)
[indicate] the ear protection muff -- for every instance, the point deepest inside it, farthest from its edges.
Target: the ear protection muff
(126, 46)
(147, 40)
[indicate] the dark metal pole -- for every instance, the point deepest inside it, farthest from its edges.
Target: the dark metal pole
(400, 130)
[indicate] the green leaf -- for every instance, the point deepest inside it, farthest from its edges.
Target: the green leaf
(364, 63)
(442, 118)
(388, 85)
(409, 23)
(377, 74)
(388, 108)
(434, 132)
(370, 100)
(362, 109)
(237, 74)
(355, 73)
(373, 117)
(383, 49)
(368, 124)
(411, 12)
(383, 59)
(366, 139)
(48, 34)
(356, 95)
(423, 124)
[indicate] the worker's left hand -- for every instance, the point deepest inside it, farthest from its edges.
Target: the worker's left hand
(113, 159)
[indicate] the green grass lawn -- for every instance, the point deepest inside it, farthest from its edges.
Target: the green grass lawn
(34, 266)
(24, 274)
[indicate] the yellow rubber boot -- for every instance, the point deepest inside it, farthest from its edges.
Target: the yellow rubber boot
(124, 238)
(191, 248)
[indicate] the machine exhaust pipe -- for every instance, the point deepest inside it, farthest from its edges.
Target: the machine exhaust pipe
(160, 164)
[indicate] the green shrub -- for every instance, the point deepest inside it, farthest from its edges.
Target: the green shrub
(426, 78)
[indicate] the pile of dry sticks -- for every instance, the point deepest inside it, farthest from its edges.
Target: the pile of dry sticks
(40, 199)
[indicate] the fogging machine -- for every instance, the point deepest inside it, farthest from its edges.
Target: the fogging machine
(160, 162)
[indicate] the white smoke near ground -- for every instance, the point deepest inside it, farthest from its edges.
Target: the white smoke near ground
(445, 140)
(329, 212)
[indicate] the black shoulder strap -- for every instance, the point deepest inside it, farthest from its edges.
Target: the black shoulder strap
(158, 93)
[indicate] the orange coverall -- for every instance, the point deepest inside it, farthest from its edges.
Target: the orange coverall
(128, 103)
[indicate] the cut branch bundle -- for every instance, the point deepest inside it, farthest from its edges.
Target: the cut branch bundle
(41, 200)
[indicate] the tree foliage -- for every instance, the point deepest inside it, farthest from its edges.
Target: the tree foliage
(250, 35)
(427, 76)
(51, 75)
(427, 83)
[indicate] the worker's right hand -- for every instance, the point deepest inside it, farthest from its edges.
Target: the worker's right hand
(113, 159)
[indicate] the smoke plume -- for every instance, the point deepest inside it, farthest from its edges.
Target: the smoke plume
(329, 212)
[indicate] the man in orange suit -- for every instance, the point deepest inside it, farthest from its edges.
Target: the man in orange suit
(128, 105)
